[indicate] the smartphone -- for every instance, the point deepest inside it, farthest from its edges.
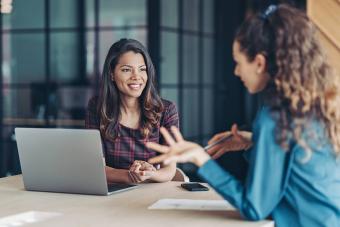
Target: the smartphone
(194, 187)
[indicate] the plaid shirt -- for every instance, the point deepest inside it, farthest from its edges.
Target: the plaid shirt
(129, 144)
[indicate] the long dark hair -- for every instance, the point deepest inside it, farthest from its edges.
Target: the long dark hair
(303, 86)
(109, 101)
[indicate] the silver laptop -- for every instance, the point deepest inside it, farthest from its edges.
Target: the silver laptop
(64, 160)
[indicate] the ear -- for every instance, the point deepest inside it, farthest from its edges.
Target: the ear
(112, 77)
(260, 63)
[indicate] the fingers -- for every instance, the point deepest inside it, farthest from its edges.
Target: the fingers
(147, 173)
(213, 150)
(219, 153)
(133, 177)
(234, 130)
(157, 147)
(137, 168)
(168, 138)
(177, 134)
(217, 137)
(133, 167)
(147, 166)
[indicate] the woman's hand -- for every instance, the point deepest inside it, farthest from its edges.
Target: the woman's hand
(144, 166)
(179, 150)
(141, 171)
(240, 140)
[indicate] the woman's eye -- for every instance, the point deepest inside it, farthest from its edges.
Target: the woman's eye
(125, 70)
(143, 69)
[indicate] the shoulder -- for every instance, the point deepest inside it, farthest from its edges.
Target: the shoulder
(170, 114)
(265, 122)
(169, 106)
(266, 117)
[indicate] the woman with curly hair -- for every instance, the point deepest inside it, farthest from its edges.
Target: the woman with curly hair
(294, 166)
(129, 113)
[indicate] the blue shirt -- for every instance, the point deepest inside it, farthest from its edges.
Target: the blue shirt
(279, 184)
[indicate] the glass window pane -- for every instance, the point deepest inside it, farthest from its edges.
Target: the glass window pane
(22, 15)
(190, 59)
(23, 58)
(208, 12)
(169, 58)
(90, 55)
(170, 94)
(17, 103)
(207, 108)
(107, 38)
(73, 101)
(191, 15)
(122, 13)
(208, 59)
(169, 13)
(64, 13)
(64, 56)
(89, 7)
(190, 109)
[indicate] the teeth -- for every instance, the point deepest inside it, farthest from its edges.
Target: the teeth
(134, 86)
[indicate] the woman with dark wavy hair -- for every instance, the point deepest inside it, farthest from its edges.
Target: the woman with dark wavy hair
(294, 166)
(129, 112)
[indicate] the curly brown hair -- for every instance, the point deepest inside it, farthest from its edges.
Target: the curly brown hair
(303, 86)
(109, 102)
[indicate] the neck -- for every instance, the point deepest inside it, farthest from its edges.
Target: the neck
(129, 105)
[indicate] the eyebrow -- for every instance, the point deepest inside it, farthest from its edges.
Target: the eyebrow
(131, 66)
(125, 66)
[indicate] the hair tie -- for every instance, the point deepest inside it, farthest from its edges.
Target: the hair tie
(271, 9)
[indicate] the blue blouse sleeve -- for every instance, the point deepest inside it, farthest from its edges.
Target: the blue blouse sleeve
(267, 176)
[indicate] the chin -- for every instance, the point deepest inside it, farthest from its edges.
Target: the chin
(135, 94)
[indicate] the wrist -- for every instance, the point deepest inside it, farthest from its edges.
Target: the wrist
(201, 158)
(128, 177)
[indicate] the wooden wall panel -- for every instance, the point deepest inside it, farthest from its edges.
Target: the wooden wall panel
(326, 15)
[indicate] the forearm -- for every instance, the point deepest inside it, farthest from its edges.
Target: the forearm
(165, 174)
(117, 175)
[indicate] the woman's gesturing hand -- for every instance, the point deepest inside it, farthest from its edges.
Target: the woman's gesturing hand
(178, 149)
(239, 140)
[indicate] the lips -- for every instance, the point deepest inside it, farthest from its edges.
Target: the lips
(135, 86)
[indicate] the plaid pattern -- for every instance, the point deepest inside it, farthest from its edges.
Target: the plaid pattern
(129, 145)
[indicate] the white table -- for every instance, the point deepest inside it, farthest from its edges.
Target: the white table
(123, 209)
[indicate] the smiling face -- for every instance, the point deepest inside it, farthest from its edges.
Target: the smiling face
(252, 73)
(130, 74)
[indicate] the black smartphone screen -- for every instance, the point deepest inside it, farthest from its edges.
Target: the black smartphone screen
(194, 187)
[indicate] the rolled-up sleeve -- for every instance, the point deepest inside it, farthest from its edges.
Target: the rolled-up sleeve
(268, 172)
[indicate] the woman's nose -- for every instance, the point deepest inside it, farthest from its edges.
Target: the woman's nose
(135, 74)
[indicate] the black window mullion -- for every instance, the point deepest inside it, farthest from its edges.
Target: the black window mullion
(180, 59)
(200, 71)
(47, 61)
(2, 159)
(96, 45)
(82, 42)
(153, 40)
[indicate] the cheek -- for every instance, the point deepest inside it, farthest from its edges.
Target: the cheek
(145, 77)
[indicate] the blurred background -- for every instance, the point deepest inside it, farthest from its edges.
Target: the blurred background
(52, 53)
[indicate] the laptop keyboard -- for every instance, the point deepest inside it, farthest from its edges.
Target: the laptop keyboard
(116, 186)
